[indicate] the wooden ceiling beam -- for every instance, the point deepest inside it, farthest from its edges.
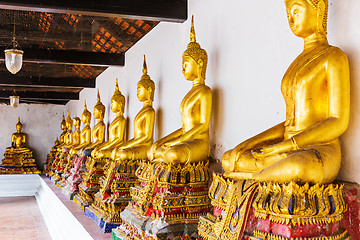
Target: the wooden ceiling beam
(154, 10)
(65, 82)
(26, 95)
(70, 57)
(57, 102)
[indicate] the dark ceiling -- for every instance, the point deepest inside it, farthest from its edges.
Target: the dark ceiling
(67, 45)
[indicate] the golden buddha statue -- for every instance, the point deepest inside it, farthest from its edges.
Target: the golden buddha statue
(116, 128)
(191, 142)
(63, 128)
(18, 157)
(114, 192)
(98, 132)
(304, 148)
(172, 190)
(137, 147)
(281, 174)
(85, 134)
(18, 140)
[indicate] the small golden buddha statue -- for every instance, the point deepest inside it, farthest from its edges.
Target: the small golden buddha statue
(116, 128)
(76, 133)
(68, 135)
(98, 132)
(18, 139)
(191, 142)
(304, 148)
(137, 147)
(18, 157)
(85, 134)
(63, 128)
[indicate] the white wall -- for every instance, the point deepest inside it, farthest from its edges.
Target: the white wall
(250, 46)
(41, 123)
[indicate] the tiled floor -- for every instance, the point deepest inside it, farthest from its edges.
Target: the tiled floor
(90, 226)
(20, 218)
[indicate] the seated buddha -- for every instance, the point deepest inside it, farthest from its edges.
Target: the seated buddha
(85, 134)
(98, 132)
(18, 141)
(137, 147)
(116, 128)
(316, 89)
(190, 143)
(18, 158)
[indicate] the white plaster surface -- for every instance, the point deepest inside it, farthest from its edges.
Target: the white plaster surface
(250, 46)
(41, 123)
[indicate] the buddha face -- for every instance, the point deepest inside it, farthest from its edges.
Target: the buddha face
(76, 122)
(18, 128)
(115, 106)
(302, 17)
(143, 94)
(190, 69)
(85, 119)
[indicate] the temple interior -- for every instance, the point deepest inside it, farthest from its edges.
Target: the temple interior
(249, 47)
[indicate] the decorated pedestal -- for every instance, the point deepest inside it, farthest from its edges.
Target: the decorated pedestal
(90, 183)
(114, 194)
(19, 163)
(66, 171)
(74, 179)
(245, 209)
(168, 201)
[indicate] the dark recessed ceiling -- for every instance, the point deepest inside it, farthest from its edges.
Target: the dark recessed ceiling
(67, 46)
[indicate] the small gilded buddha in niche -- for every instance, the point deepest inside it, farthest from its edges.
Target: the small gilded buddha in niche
(137, 147)
(191, 142)
(316, 89)
(116, 128)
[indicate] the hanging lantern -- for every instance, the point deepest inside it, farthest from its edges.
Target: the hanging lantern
(13, 60)
(14, 101)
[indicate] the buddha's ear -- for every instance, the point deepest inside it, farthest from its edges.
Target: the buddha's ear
(200, 62)
(320, 9)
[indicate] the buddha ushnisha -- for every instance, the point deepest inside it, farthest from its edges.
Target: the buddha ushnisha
(191, 142)
(316, 89)
(116, 128)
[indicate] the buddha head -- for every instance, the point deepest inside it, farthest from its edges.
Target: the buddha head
(57, 141)
(68, 122)
(86, 115)
(194, 58)
(63, 123)
(146, 86)
(99, 108)
(117, 100)
(18, 126)
(76, 122)
(307, 17)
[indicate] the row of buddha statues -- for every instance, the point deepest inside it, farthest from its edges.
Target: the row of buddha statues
(141, 189)
(18, 158)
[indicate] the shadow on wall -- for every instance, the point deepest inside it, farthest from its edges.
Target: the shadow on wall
(159, 123)
(216, 126)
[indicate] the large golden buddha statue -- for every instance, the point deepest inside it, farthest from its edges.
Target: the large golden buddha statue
(116, 127)
(316, 90)
(191, 142)
(285, 174)
(85, 134)
(114, 193)
(137, 147)
(76, 156)
(18, 158)
(174, 182)
(98, 132)
(89, 185)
